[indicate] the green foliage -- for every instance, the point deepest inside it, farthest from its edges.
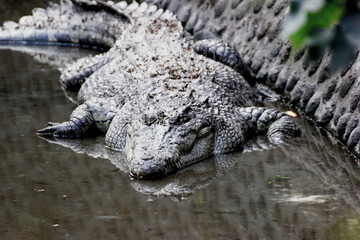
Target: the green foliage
(325, 17)
(321, 25)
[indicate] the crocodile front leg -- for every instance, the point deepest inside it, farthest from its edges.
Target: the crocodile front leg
(78, 124)
(283, 131)
(279, 126)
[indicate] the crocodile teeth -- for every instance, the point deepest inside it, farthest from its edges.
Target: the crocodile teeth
(178, 165)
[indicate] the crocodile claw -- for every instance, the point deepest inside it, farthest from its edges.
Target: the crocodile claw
(52, 124)
(51, 130)
(66, 129)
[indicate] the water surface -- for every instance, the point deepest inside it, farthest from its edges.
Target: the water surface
(49, 191)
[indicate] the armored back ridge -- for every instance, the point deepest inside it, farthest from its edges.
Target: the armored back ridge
(163, 99)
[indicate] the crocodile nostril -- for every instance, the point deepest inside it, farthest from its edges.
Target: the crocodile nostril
(147, 157)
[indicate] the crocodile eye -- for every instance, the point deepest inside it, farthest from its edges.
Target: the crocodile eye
(203, 132)
(188, 116)
(182, 118)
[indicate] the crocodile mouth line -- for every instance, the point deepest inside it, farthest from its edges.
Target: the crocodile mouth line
(169, 167)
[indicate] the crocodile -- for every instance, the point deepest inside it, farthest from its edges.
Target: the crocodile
(164, 99)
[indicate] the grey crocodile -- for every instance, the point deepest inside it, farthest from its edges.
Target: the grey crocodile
(163, 99)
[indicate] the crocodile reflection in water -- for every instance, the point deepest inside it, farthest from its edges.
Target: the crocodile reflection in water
(157, 97)
(259, 159)
(179, 185)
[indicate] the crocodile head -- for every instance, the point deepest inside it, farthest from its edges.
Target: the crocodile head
(157, 143)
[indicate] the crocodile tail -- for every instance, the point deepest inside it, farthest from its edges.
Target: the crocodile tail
(94, 24)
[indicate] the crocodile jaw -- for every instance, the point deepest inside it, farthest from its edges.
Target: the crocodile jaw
(169, 159)
(154, 152)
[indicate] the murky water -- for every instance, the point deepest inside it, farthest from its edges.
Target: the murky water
(49, 191)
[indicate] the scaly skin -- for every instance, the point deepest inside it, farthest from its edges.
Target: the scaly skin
(163, 100)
